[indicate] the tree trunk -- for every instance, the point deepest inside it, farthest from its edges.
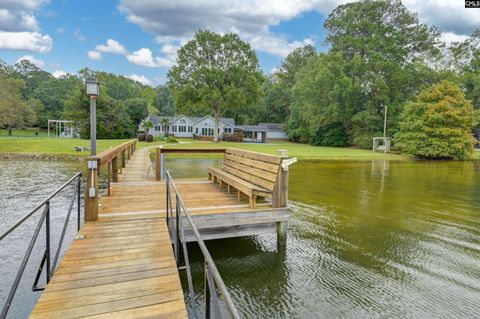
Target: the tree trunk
(215, 132)
(10, 130)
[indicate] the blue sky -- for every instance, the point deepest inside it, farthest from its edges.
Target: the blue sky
(139, 38)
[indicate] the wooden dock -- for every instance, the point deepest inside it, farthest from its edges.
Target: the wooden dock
(121, 265)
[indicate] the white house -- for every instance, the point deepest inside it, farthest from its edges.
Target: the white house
(185, 126)
(204, 127)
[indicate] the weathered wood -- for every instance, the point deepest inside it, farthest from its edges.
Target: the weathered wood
(91, 202)
(186, 150)
(264, 166)
(157, 164)
(109, 176)
(107, 155)
(115, 169)
(255, 155)
(281, 235)
(124, 160)
(269, 176)
(280, 192)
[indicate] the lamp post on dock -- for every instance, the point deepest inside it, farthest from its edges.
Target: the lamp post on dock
(93, 88)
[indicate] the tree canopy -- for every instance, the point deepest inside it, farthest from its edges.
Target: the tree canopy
(215, 72)
(438, 125)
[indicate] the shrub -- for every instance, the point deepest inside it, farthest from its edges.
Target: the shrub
(141, 137)
(149, 138)
(438, 125)
(171, 139)
(333, 135)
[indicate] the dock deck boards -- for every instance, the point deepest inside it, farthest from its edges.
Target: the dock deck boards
(124, 266)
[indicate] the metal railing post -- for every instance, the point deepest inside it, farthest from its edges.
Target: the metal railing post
(207, 291)
(79, 188)
(177, 232)
(47, 248)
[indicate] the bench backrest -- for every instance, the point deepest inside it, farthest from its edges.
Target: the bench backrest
(256, 168)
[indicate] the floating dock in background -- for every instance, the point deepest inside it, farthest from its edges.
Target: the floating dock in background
(122, 265)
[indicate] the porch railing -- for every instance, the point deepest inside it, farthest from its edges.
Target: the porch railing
(48, 254)
(176, 211)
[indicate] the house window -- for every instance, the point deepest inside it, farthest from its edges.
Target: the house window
(196, 130)
(228, 130)
(206, 131)
(210, 132)
(174, 128)
(182, 128)
(190, 129)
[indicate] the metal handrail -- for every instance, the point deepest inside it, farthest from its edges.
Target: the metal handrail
(45, 216)
(211, 274)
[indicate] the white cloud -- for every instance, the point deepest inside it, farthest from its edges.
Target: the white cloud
(177, 22)
(59, 73)
(19, 29)
(25, 41)
(37, 62)
(449, 37)
(94, 55)
(77, 35)
(174, 22)
(275, 45)
(144, 57)
(140, 78)
(112, 46)
(60, 30)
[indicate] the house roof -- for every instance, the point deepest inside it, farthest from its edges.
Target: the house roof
(273, 127)
(257, 128)
(157, 118)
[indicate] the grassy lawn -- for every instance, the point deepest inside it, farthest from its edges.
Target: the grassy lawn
(40, 145)
(302, 151)
(28, 132)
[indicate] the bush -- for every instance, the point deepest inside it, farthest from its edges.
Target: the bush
(333, 135)
(149, 138)
(171, 139)
(438, 125)
(141, 137)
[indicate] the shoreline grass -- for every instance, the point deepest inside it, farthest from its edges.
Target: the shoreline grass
(65, 147)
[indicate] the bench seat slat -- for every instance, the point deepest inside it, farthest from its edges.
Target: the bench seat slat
(256, 156)
(271, 177)
(240, 184)
(272, 168)
(249, 178)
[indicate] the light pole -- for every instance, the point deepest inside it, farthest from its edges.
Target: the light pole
(93, 88)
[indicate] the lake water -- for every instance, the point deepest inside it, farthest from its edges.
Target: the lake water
(367, 240)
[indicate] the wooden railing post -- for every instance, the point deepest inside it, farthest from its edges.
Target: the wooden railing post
(115, 169)
(158, 176)
(128, 152)
(91, 191)
(280, 191)
(124, 159)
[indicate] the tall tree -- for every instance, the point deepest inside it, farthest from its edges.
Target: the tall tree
(215, 72)
(136, 109)
(438, 124)
(383, 43)
(14, 111)
(164, 101)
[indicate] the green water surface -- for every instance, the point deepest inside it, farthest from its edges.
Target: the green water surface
(379, 239)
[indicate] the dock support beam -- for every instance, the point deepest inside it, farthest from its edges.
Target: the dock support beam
(91, 191)
(281, 235)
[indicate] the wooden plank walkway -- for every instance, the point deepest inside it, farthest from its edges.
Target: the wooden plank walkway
(124, 266)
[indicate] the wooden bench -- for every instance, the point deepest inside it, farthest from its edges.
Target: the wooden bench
(250, 173)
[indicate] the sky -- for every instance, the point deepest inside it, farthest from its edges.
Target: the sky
(139, 38)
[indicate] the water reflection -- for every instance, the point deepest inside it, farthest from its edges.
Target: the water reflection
(367, 239)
